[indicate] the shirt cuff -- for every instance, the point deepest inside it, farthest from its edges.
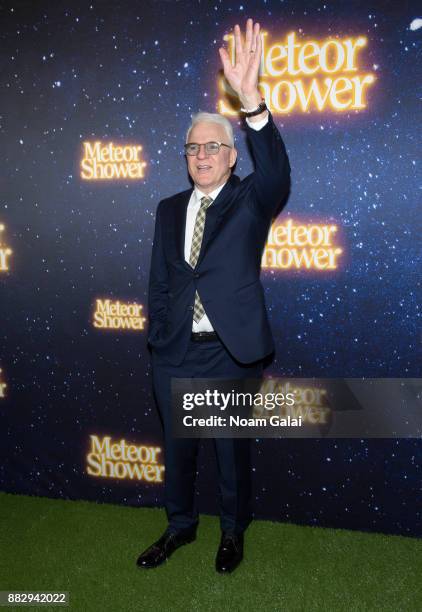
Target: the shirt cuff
(257, 125)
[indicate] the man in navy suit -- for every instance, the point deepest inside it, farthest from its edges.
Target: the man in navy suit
(207, 315)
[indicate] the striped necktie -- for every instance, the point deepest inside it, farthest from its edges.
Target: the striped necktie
(198, 232)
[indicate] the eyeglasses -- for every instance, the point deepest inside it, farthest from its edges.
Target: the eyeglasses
(211, 148)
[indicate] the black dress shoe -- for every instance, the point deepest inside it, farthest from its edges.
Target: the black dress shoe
(230, 552)
(161, 550)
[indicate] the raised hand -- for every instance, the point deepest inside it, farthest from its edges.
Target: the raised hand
(243, 76)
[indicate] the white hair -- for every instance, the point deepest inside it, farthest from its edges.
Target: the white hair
(213, 118)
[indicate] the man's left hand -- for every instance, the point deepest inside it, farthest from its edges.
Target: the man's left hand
(243, 76)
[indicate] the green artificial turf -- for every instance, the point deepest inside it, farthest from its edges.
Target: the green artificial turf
(90, 550)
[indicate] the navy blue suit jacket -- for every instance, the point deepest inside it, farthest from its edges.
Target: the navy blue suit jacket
(227, 271)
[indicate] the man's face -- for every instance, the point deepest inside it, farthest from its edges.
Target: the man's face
(210, 171)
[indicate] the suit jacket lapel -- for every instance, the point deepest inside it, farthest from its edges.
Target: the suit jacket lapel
(180, 207)
(215, 214)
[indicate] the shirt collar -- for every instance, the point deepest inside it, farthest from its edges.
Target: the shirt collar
(213, 194)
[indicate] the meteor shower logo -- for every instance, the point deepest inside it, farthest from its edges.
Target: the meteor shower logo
(299, 75)
(3, 386)
(5, 253)
(116, 315)
(295, 246)
(111, 162)
(124, 461)
(310, 403)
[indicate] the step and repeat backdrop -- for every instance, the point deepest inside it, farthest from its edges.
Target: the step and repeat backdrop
(96, 98)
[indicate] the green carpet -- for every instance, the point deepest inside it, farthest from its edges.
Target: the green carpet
(90, 550)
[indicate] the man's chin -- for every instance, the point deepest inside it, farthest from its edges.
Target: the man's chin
(203, 183)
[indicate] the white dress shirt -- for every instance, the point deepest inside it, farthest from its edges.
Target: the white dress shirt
(193, 207)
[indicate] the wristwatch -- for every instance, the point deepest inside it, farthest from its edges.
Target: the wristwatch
(256, 111)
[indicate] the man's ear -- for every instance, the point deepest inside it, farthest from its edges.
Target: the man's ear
(233, 157)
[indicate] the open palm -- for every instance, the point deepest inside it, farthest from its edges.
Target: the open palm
(243, 76)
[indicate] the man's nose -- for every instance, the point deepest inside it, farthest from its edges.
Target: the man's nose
(202, 153)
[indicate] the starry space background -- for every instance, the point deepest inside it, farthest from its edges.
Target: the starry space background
(135, 72)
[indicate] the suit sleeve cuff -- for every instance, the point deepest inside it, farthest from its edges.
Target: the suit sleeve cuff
(257, 125)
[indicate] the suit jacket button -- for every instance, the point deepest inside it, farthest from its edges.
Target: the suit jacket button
(196, 275)
(190, 308)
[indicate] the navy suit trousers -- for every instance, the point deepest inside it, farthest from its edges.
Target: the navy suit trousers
(204, 360)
